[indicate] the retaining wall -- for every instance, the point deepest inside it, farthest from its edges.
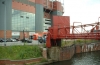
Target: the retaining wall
(66, 53)
(87, 47)
(60, 54)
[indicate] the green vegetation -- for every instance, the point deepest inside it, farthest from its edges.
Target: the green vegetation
(31, 63)
(44, 60)
(76, 41)
(44, 45)
(66, 43)
(20, 52)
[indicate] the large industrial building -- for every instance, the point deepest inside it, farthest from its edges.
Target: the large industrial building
(29, 16)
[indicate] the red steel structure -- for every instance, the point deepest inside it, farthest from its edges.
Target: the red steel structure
(61, 30)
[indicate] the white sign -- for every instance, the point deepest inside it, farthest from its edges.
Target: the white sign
(15, 33)
(31, 33)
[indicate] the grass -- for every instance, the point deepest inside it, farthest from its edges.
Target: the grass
(20, 52)
(77, 41)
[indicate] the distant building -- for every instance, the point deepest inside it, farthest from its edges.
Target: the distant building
(29, 16)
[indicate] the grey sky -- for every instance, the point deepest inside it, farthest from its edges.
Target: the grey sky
(85, 11)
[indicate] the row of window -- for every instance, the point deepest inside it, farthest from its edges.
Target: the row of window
(23, 21)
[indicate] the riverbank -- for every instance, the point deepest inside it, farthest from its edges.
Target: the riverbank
(54, 53)
(89, 58)
(66, 53)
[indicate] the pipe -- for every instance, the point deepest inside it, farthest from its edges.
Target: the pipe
(47, 4)
(52, 4)
(98, 22)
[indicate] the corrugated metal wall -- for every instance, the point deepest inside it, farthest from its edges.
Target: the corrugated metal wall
(5, 12)
(60, 21)
(39, 15)
(5, 16)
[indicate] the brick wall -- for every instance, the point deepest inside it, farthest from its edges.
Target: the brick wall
(19, 62)
(8, 33)
(23, 7)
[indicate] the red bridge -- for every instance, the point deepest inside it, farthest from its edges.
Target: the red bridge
(61, 29)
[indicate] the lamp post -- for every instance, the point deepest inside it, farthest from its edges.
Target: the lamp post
(23, 40)
(4, 22)
(23, 35)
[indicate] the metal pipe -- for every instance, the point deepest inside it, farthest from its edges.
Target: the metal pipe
(52, 4)
(63, 2)
(98, 19)
(73, 26)
(47, 4)
(98, 22)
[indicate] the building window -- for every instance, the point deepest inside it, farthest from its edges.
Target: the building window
(23, 21)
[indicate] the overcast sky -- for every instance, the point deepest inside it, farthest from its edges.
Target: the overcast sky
(85, 11)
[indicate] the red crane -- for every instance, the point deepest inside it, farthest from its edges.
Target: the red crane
(61, 29)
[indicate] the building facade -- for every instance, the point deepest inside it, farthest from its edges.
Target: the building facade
(28, 16)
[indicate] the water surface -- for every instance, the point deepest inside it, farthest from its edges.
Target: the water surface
(90, 58)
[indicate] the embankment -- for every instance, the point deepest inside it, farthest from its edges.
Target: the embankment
(66, 53)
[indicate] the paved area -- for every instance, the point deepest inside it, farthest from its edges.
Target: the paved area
(34, 42)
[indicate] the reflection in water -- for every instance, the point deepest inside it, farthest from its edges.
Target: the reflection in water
(91, 58)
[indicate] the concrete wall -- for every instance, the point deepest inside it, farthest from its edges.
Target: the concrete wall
(60, 54)
(66, 53)
(87, 47)
(54, 53)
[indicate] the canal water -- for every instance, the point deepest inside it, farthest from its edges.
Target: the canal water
(90, 58)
